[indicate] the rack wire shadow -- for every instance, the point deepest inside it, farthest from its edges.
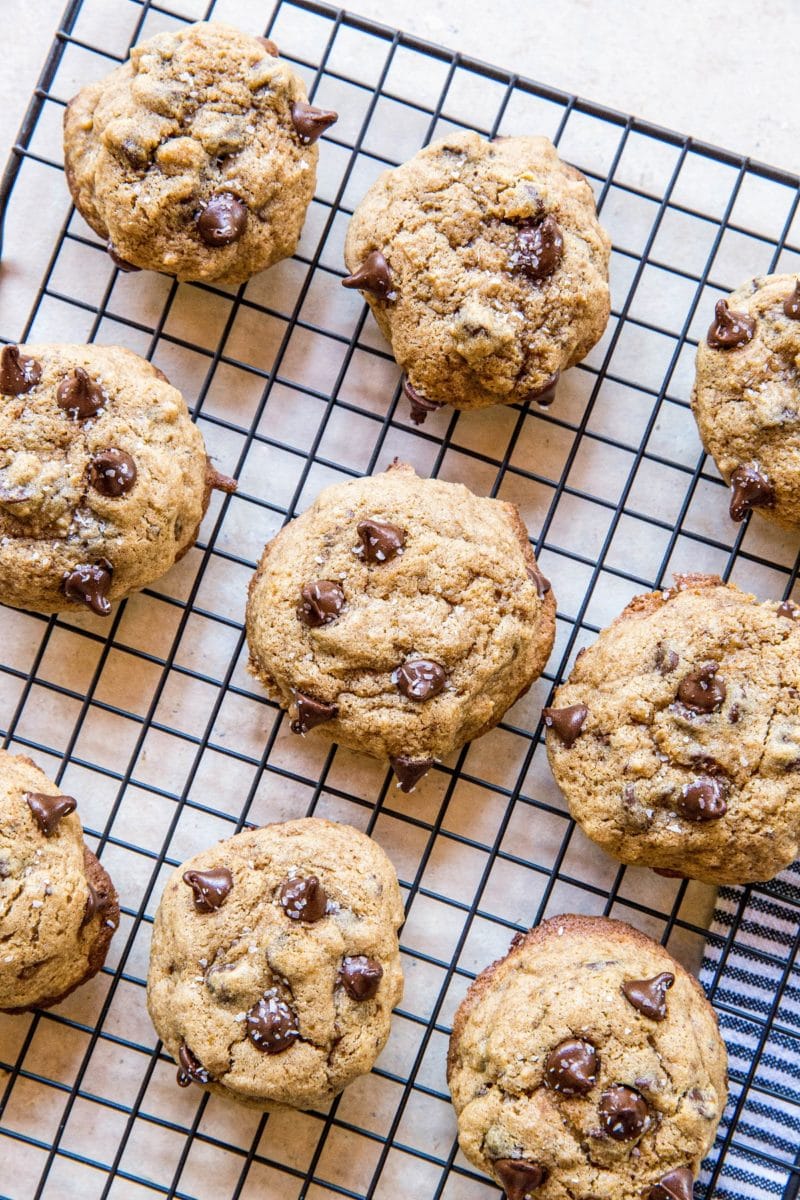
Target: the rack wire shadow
(153, 719)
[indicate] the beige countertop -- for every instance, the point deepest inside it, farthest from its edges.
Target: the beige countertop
(686, 64)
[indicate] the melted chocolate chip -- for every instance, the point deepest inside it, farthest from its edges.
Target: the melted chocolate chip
(119, 261)
(18, 373)
(541, 584)
(216, 480)
(649, 996)
(666, 660)
(409, 771)
(93, 902)
(320, 603)
(223, 220)
(269, 46)
(787, 609)
(624, 1113)
(518, 1177)
(311, 712)
(701, 691)
(79, 396)
(303, 899)
(49, 810)
(703, 800)
(566, 722)
(380, 541)
(134, 154)
(191, 1069)
(538, 248)
(791, 305)
(675, 1185)
(89, 584)
(729, 329)
(749, 489)
(210, 887)
(374, 275)
(271, 1025)
(420, 679)
(420, 405)
(571, 1068)
(708, 765)
(112, 473)
(309, 122)
(361, 977)
(546, 394)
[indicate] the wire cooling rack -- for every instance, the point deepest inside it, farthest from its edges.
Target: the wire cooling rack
(150, 718)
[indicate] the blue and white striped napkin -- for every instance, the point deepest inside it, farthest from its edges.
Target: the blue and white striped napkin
(766, 1123)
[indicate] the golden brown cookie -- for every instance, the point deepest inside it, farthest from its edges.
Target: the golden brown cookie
(676, 737)
(197, 156)
(587, 1063)
(746, 397)
(485, 267)
(401, 616)
(104, 478)
(275, 964)
(59, 907)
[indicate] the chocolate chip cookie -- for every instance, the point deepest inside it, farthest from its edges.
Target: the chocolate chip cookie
(485, 267)
(275, 964)
(400, 616)
(196, 157)
(746, 397)
(59, 907)
(104, 478)
(587, 1063)
(676, 738)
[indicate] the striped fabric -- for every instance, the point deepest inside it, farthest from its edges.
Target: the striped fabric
(751, 970)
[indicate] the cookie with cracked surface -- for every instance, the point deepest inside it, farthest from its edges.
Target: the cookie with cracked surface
(676, 738)
(104, 478)
(275, 964)
(197, 156)
(587, 1062)
(485, 267)
(401, 616)
(746, 397)
(59, 907)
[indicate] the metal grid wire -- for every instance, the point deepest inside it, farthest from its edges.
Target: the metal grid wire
(151, 719)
